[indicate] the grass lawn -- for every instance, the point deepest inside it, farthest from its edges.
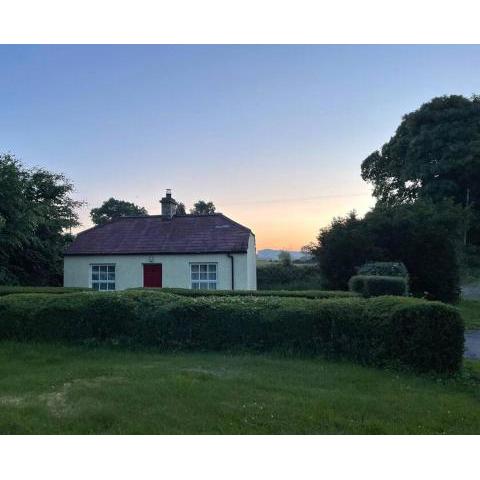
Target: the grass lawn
(59, 389)
(470, 310)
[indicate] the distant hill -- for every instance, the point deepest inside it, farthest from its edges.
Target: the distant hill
(269, 254)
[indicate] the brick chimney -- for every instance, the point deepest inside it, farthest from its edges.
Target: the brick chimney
(169, 205)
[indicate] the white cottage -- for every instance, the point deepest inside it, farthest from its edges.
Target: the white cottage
(168, 250)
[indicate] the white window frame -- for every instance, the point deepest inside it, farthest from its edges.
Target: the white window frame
(203, 275)
(103, 268)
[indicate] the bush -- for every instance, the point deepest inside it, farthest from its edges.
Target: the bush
(282, 276)
(376, 285)
(409, 332)
(8, 290)
(384, 269)
(426, 335)
(312, 294)
(422, 235)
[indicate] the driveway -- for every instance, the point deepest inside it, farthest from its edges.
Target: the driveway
(472, 344)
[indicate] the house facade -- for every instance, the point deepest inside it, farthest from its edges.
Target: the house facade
(177, 251)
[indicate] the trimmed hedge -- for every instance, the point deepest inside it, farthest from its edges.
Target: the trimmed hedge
(409, 332)
(313, 294)
(8, 290)
(427, 335)
(384, 269)
(278, 276)
(376, 285)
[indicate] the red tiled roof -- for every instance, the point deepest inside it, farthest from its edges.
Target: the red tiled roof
(157, 234)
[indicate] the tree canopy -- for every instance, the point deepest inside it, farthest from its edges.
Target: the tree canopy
(435, 153)
(203, 208)
(113, 208)
(285, 258)
(180, 209)
(36, 210)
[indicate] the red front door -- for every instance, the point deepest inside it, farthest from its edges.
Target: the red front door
(152, 275)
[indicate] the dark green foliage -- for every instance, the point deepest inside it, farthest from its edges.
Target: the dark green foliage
(417, 334)
(285, 258)
(435, 153)
(377, 285)
(36, 209)
(470, 264)
(421, 235)
(69, 317)
(180, 211)
(313, 294)
(113, 208)
(9, 290)
(386, 269)
(282, 276)
(428, 335)
(341, 248)
(203, 208)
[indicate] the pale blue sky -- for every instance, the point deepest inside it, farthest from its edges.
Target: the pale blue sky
(243, 126)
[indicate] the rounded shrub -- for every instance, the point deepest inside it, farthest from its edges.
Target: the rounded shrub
(384, 269)
(376, 285)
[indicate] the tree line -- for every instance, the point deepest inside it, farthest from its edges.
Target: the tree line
(113, 208)
(426, 181)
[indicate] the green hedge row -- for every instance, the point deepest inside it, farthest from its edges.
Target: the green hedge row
(425, 336)
(8, 290)
(376, 285)
(313, 294)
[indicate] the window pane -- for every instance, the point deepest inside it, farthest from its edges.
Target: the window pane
(212, 286)
(95, 286)
(203, 275)
(103, 286)
(111, 276)
(103, 276)
(212, 268)
(103, 268)
(212, 276)
(203, 286)
(203, 268)
(94, 276)
(111, 268)
(195, 285)
(194, 268)
(111, 285)
(94, 268)
(195, 276)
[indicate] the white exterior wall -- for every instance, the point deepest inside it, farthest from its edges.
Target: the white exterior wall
(251, 264)
(175, 269)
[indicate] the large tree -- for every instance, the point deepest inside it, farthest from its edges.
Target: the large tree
(435, 153)
(36, 211)
(422, 235)
(203, 208)
(113, 208)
